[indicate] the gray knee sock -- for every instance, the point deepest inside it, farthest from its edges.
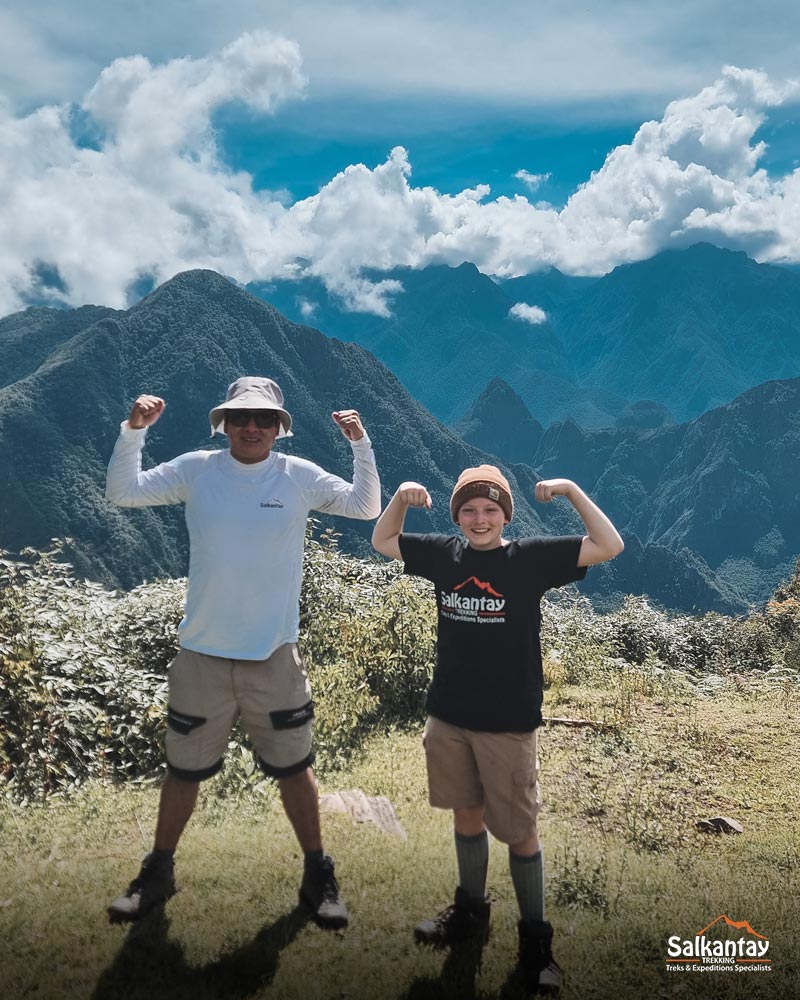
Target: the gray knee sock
(473, 861)
(527, 874)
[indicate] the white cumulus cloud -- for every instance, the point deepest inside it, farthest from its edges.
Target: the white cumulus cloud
(132, 184)
(150, 194)
(532, 181)
(307, 308)
(534, 315)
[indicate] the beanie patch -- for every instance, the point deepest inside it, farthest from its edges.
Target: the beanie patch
(483, 481)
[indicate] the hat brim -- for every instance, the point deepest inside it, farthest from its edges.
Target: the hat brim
(217, 416)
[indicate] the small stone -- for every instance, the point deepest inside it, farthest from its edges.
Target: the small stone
(375, 809)
(719, 824)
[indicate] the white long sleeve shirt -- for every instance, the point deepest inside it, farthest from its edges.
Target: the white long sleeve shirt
(246, 530)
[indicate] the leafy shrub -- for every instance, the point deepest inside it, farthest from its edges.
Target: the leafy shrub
(83, 669)
(581, 646)
(368, 637)
(79, 695)
(580, 885)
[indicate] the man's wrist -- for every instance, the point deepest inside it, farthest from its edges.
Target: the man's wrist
(130, 431)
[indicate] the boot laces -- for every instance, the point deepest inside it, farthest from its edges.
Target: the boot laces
(330, 887)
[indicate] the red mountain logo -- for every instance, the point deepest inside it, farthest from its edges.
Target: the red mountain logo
(739, 925)
(480, 585)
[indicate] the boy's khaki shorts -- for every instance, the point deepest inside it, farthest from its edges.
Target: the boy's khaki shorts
(499, 771)
(207, 694)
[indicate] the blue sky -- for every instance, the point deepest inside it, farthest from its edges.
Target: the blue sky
(453, 144)
(142, 138)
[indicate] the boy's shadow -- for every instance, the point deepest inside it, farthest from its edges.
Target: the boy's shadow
(457, 978)
(150, 965)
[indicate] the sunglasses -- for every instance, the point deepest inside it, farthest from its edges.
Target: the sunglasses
(262, 418)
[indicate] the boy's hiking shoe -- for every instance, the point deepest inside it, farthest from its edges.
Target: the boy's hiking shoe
(154, 884)
(466, 919)
(541, 971)
(319, 891)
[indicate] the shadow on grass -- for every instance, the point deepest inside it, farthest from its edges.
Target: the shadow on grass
(457, 978)
(150, 965)
(516, 986)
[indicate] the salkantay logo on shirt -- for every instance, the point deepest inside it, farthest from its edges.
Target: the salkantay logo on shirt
(487, 605)
(272, 503)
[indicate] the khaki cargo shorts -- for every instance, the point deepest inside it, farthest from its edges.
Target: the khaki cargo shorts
(499, 771)
(207, 694)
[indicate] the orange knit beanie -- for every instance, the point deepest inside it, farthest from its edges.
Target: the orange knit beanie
(483, 481)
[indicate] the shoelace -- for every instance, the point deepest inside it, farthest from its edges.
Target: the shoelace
(443, 919)
(330, 888)
(147, 873)
(135, 886)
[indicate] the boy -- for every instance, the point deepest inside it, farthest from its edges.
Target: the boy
(484, 703)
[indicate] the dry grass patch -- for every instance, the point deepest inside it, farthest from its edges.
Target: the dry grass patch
(626, 870)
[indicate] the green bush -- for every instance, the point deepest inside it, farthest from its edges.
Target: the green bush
(579, 883)
(83, 669)
(82, 676)
(368, 635)
(586, 645)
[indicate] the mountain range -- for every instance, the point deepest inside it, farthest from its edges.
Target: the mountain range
(450, 331)
(706, 505)
(688, 328)
(685, 331)
(186, 342)
(723, 487)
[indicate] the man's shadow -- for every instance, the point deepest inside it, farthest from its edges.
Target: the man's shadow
(457, 978)
(150, 965)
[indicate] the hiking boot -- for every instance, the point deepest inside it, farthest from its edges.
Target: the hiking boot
(467, 918)
(319, 890)
(541, 971)
(154, 884)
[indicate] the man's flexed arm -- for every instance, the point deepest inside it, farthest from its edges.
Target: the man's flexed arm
(386, 536)
(126, 484)
(602, 541)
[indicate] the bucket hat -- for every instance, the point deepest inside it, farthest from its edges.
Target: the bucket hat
(252, 392)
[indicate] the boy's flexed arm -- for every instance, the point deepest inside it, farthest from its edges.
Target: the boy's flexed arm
(602, 540)
(385, 537)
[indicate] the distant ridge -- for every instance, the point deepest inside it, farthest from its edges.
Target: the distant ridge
(186, 341)
(722, 487)
(691, 329)
(688, 330)
(498, 421)
(707, 508)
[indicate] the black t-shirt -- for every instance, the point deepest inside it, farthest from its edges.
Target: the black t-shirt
(488, 674)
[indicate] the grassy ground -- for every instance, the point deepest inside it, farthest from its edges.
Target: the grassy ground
(626, 869)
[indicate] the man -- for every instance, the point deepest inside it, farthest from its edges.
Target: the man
(246, 510)
(484, 703)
